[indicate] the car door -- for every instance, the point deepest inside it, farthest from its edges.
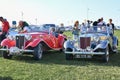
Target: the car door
(54, 40)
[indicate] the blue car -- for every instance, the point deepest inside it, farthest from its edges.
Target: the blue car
(96, 41)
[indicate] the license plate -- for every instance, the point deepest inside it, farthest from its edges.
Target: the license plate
(83, 56)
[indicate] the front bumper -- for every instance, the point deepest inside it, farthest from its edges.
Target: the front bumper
(15, 50)
(84, 53)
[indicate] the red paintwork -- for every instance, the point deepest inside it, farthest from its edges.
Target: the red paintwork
(8, 43)
(37, 37)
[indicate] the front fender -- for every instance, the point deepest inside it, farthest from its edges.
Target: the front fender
(7, 42)
(33, 43)
(69, 44)
(102, 45)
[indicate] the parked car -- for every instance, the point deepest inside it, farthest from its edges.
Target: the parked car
(68, 28)
(94, 42)
(50, 26)
(117, 27)
(35, 42)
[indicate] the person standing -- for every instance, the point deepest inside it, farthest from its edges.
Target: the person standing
(5, 28)
(111, 25)
(76, 31)
(61, 28)
(83, 28)
(88, 24)
(101, 22)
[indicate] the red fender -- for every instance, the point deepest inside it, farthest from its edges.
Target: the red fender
(34, 43)
(61, 40)
(7, 42)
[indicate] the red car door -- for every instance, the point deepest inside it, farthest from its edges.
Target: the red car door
(54, 40)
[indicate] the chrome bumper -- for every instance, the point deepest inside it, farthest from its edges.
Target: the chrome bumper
(84, 53)
(15, 50)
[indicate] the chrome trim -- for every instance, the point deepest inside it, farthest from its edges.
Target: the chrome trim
(85, 53)
(20, 50)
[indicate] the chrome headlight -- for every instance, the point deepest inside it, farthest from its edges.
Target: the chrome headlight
(11, 37)
(96, 38)
(88, 48)
(28, 37)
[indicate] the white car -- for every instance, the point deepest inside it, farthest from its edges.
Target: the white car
(117, 27)
(68, 28)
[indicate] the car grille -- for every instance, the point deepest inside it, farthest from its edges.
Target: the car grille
(84, 42)
(20, 41)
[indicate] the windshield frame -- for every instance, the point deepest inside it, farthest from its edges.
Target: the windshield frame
(95, 29)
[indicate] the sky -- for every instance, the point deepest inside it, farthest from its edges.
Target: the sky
(60, 11)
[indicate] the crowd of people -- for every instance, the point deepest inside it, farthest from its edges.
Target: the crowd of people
(23, 26)
(83, 27)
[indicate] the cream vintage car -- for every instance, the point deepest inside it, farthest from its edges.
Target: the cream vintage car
(94, 42)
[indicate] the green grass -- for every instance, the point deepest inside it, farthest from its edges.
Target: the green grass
(53, 66)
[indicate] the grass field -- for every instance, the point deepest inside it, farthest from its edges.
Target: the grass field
(53, 66)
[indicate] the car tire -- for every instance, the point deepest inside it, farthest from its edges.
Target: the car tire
(38, 51)
(69, 56)
(106, 55)
(6, 55)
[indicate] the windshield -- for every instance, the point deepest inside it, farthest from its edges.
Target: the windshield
(94, 29)
(33, 28)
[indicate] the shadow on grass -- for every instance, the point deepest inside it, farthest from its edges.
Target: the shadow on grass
(5, 78)
(55, 57)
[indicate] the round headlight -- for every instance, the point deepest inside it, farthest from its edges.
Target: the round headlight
(28, 37)
(88, 48)
(103, 37)
(10, 37)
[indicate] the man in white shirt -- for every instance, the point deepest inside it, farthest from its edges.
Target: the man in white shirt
(83, 29)
(101, 22)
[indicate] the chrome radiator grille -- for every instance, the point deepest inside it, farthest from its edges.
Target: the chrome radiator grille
(20, 41)
(84, 42)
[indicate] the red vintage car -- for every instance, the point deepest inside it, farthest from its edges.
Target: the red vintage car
(35, 42)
